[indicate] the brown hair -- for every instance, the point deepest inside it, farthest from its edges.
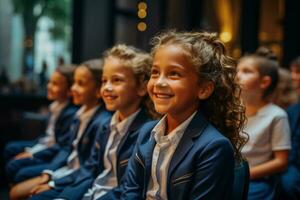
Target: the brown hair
(96, 67)
(296, 62)
(208, 54)
(67, 71)
(285, 93)
(140, 62)
(267, 65)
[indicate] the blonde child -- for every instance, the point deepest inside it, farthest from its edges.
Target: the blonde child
(125, 75)
(189, 153)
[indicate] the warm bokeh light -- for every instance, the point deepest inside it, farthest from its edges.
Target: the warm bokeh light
(226, 36)
(142, 13)
(142, 6)
(142, 26)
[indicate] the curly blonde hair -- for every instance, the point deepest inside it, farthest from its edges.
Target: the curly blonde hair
(208, 54)
(140, 62)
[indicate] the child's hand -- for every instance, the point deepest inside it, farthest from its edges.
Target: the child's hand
(40, 188)
(44, 178)
(23, 155)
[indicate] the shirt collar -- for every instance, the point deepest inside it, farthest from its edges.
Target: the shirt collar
(122, 127)
(56, 107)
(159, 130)
(82, 115)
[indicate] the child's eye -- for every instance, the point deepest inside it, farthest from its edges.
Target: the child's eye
(117, 80)
(246, 71)
(80, 83)
(103, 81)
(174, 74)
(154, 73)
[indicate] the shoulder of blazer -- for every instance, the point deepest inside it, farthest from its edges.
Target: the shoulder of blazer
(68, 111)
(100, 116)
(201, 132)
(210, 135)
(141, 118)
(145, 131)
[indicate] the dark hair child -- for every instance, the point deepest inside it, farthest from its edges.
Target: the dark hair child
(85, 92)
(185, 154)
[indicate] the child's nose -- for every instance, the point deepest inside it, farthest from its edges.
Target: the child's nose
(73, 88)
(161, 82)
(108, 86)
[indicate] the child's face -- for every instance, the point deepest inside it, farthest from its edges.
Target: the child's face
(174, 82)
(57, 87)
(295, 74)
(119, 89)
(84, 88)
(249, 78)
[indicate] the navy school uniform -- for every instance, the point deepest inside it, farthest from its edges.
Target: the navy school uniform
(290, 179)
(15, 147)
(202, 166)
(84, 146)
(74, 186)
(62, 125)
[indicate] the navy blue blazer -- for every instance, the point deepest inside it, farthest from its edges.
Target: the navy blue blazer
(85, 143)
(78, 182)
(294, 120)
(202, 166)
(61, 131)
(64, 121)
(15, 166)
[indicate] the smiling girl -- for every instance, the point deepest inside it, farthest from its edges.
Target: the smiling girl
(189, 153)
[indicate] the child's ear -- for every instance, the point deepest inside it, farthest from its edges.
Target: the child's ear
(206, 89)
(142, 90)
(265, 82)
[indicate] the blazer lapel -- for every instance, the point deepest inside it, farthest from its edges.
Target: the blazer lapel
(132, 130)
(194, 129)
(148, 152)
(105, 131)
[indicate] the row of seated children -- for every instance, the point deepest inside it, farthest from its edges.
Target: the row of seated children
(193, 84)
(74, 146)
(267, 125)
(26, 153)
(273, 147)
(124, 91)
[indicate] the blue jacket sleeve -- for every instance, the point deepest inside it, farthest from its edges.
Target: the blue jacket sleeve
(59, 160)
(88, 170)
(77, 189)
(48, 153)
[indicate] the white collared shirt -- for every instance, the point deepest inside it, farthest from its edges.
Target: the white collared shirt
(162, 156)
(49, 139)
(73, 160)
(107, 180)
